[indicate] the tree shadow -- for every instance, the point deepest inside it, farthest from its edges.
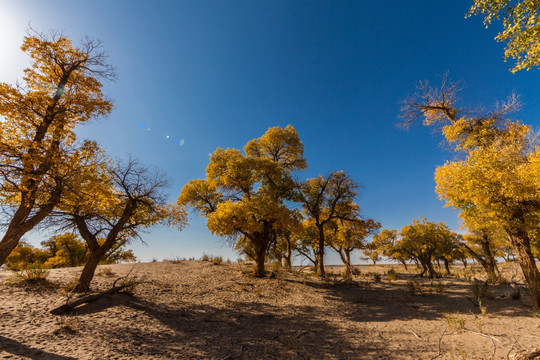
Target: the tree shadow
(242, 330)
(387, 301)
(16, 348)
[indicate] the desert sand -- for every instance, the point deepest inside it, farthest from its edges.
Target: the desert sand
(198, 310)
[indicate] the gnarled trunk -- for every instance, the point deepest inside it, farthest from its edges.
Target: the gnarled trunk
(8, 243)
(89, 270)
(521, 243)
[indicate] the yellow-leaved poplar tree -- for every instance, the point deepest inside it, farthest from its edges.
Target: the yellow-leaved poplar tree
(243, 196)
(324, 200)
(498, 175)
(112, 205)
(37, 144)
(521, 23)
(349, 235)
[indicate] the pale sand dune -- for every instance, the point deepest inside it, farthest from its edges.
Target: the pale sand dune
(192, 309)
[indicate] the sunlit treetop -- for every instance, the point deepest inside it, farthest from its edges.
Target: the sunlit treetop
(521, 33)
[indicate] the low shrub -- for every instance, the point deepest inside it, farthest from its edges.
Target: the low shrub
(32, 274)
(391, 275)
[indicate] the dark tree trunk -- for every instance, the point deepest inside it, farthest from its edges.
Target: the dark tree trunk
(288, 253)
(424, 269)
(447, 266)
(23, 221)
(464, 261)
(521, 243)
(348, 259)
(8, 243)
(403, 263)
(320, 268)
(89, 270)
(432, 273)
(490, 263)
(345, 256)
(260, 258)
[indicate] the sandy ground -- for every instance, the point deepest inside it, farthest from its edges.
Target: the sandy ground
(198, 310)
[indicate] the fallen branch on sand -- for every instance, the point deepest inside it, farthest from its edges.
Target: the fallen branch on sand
(530, 354)
(87, 299)
(68, 306)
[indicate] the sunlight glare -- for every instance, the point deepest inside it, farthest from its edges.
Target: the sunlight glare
(12, 31)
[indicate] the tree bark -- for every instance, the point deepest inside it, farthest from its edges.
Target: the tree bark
(9, 242)
(288, 253)
(432, 273)
(403, 262)
(260, 257)
(447, 266)
(89, 269)
(23, 221)
(320, 268)
(488, 261)
(345, 256)
(522, 246)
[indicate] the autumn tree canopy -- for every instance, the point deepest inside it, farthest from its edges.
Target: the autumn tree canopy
(243, 194)
(111, 206)
(326, 199)
(349, 235)
(521, 28)
(497, 177)
(38, 148)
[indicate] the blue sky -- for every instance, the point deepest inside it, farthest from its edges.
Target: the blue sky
(219, 73)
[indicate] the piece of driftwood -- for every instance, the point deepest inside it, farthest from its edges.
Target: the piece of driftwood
(86, 299)
(533, 354)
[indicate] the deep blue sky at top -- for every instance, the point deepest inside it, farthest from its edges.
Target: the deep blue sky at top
(219, 73)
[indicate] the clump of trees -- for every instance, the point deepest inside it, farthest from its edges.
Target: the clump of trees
(64, 250)
(422, 242)
(496, 181)
(247, 198)
(47, 175)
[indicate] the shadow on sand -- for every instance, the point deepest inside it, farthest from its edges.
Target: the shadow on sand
(16, 348)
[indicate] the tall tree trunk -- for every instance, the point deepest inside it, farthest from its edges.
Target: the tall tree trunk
(424, 269)
(260, 257)
(522, 246)
(447, 266)
(8, 243)
(490, 263)
(89, 270)
(261, 242)
(345, 256)
(348, 258)
(432, 273)
(403, 262)
(320, 268)
(288, 253)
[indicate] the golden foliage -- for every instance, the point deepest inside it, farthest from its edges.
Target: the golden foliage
(521, 31)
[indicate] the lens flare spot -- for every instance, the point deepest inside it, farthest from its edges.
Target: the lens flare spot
(182, 142)
(176, 140)
(142, 126)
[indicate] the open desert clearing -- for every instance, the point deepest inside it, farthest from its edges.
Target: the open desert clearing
(195, 309)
